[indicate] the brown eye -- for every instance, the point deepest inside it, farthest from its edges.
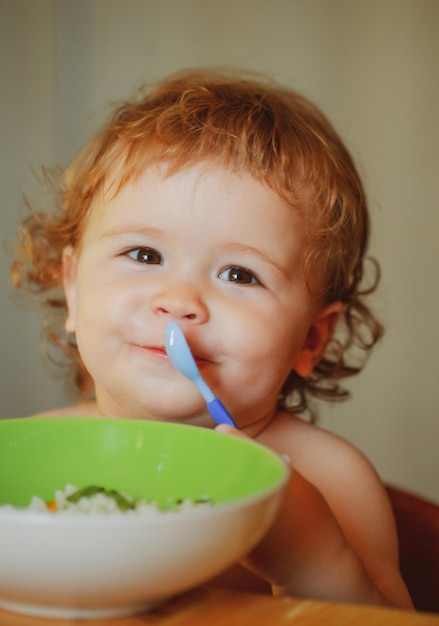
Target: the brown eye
(148, 256)
(238, 275)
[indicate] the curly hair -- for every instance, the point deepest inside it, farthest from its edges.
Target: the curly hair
(239, 121)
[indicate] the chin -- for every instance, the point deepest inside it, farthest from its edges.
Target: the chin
(166, 413)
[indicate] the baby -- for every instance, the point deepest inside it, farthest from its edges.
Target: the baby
(231, 206)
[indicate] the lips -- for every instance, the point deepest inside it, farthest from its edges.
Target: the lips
(160, 351)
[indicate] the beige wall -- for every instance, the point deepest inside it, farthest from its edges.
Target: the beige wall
(371, 65)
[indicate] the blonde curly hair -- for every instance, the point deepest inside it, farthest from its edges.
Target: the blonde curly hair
(239, 121)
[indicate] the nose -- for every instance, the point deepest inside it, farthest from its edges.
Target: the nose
(182, 301)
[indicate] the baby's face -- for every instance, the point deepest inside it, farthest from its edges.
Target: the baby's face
(218, 252)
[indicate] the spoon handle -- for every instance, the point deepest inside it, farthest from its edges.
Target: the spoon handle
(219, 412)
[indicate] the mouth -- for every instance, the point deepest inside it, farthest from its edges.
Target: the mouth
(160, 352)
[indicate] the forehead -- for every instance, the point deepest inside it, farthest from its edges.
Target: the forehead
(206, 186)
(201, 204)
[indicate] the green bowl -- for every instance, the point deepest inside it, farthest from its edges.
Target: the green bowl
(79, 565)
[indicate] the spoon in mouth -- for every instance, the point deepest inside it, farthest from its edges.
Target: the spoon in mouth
(181, 357)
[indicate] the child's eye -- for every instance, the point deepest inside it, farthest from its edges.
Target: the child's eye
(146, 255)
(239, 275)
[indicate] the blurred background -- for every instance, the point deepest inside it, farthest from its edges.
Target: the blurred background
(371, 66)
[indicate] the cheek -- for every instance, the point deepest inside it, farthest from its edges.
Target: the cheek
(260, 364)
(95, 307)
(265, 350)
(112, 311)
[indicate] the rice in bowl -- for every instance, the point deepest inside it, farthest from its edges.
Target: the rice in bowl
(93, 499)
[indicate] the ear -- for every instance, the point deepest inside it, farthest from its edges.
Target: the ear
(320, 332)
(69, 271)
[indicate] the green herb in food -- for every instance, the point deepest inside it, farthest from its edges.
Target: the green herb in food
(87, 492)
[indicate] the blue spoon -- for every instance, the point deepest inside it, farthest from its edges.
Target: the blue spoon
(181, 357)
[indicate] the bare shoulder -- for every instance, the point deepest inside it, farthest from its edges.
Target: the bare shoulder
(82, 409)
(335, 466)
(343, 475)
(312, 449)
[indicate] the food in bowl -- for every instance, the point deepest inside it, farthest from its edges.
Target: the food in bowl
(97, 499)
(98, 566)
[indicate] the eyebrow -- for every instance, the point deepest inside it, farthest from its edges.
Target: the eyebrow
(265, 257)
(133, 229)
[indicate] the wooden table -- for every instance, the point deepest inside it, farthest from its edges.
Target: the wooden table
(210, 606)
